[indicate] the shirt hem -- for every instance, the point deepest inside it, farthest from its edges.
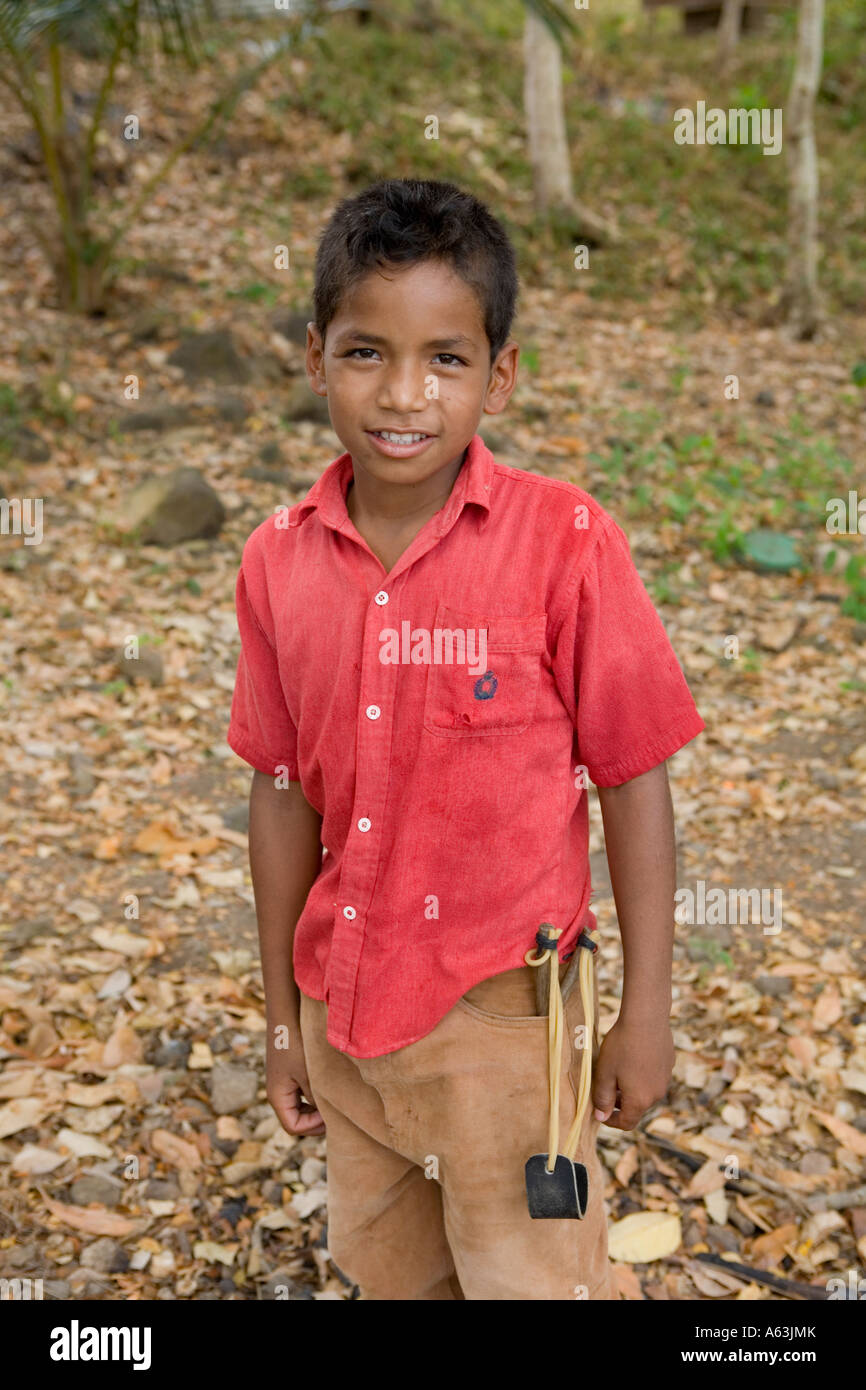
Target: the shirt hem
(246, 749)
(626, 769)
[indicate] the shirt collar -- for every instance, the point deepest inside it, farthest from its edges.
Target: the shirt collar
(328, 494)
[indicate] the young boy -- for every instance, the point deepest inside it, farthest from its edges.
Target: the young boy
(437, 652)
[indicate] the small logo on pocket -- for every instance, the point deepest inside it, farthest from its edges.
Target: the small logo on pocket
(485, 686)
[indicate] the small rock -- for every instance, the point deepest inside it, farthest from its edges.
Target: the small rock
(312, 1170)
(212, 356)
(775, 985)
(162, 1189)
(777, 633)
(159, 417)
(815, 1164)
(25, 444)
(823, 777)
(30, 929)
(96, 1187)
(56, 1288)
(147, 666)
(105, 1256)
(172, 1053)
(81, 779)
(765, 398)
(294, 325)
(271, 453)
(719, 1238)
(232, 408)
(162, 1264)
(174, 507)
(232, 1088)
(302, 403)
(281, 1285)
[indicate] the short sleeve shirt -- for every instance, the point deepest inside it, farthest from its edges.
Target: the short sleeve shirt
(443, 719)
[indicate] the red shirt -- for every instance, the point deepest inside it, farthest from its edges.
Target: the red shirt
(453, 808)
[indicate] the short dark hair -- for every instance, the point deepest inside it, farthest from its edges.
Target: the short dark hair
(401, 221)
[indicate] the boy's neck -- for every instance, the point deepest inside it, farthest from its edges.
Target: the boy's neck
(393, 508)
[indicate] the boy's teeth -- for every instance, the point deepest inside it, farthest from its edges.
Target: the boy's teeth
(399, 438)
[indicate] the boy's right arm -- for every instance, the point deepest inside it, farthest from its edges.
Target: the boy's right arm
(285, 858)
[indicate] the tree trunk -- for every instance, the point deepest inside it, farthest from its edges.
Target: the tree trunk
(548, 142)
(801, 291)
(545, 117)
(730, 24)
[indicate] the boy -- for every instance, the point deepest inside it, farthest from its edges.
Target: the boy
(436, 652)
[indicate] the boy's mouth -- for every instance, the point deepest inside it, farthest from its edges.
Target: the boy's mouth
(400, 443)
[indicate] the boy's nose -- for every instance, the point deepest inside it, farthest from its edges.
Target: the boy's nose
(403, 391)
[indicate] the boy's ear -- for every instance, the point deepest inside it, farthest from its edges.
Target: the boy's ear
(503, 379)
(314, 360)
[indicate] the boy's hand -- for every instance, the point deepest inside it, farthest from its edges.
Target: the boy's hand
(287, 1080)
(633, 1070)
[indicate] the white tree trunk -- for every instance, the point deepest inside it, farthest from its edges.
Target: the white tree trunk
(548, 143)
(730, 24)
(545, 117)
(802, 282)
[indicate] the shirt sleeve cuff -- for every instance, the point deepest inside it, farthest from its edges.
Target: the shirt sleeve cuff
(243, 745)
(613, 774)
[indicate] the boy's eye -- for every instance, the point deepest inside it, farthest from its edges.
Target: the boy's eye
(354, 350)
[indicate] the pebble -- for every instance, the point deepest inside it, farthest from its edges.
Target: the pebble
(105, 1256)
(232, 1088)
(96, 1187)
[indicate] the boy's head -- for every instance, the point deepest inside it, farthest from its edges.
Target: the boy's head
(415, 293)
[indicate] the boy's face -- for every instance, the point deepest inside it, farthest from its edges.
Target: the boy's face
(407, 353)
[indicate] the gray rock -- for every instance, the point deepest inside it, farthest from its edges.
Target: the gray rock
(210, 356)
(56, 1288)
(174, 507)
(29, 929)
(96, 1187)
(293, 326)
(312, 1170)
(232, 1088)
(160, 417)
(765, 398)
(162, 1190)
(147, 666)
(81, 779)
(172, 1053)
(302, 403)
(271, 453)
(282, 1286)
(105, 1256)
(25, 444)
(775, 985)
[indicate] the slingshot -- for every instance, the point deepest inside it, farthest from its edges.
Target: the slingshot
(557, 1186)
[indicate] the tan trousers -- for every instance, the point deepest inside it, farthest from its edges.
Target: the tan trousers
(426, 1148)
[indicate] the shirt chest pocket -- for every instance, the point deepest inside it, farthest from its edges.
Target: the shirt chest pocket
(490, 683)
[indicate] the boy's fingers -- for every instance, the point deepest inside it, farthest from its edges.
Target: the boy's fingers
(603, 1095)
(304, 1121)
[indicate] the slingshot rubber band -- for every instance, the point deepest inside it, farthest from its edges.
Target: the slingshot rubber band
(555, 1024)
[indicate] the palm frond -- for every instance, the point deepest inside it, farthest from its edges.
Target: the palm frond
(558, 21)
(25, 23)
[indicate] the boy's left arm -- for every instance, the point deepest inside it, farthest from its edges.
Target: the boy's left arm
(636, 1058)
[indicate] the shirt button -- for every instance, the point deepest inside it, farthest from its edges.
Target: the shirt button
(373, 711)
(364, 823)
(349, 912)
(381, 597)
